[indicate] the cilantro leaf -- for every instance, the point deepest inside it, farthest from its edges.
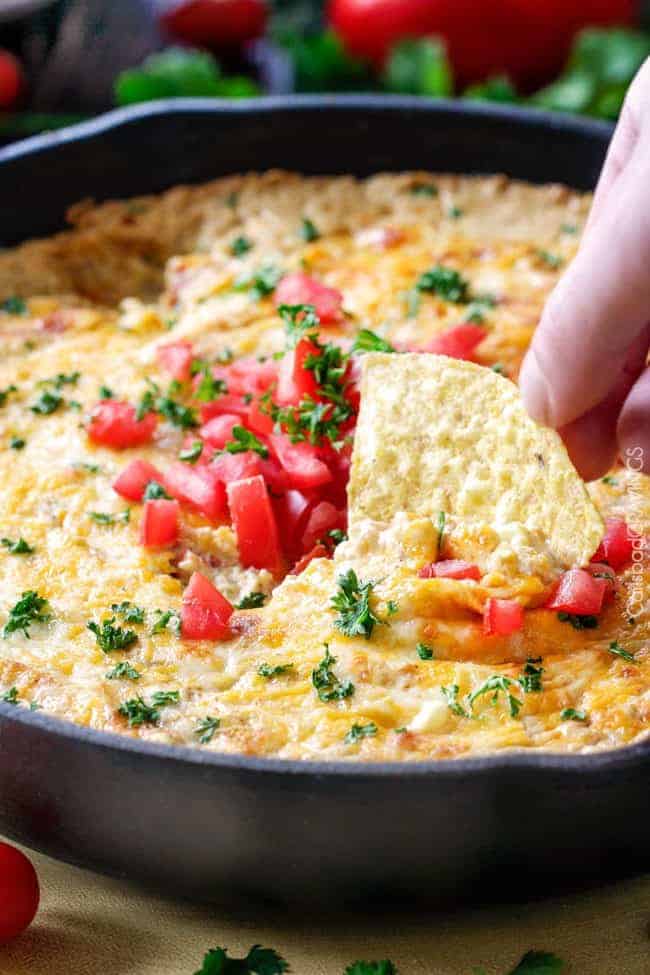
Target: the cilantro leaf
(155, 490)
(327, 684)
(367, 341)
(445, 282)
(252, 600)
(450, 695)
(579, 622)
(424, 652)
(573, 714)
(371, 968)
(110, 637)
(138, 712)
(11, 696)
(128, 612)
(13, 305)
(245, 440)
(46, 403)
(30, 608)
(164, 619)
(192, 453)
(259, 283)
(531, 677)
(299, 321)
(107, 518)
(19, 547)
(258, 961)
(308, 230)
(17, 443)
(206, 728)
(499, 684)
(359, 731)
(266, 670)
(240, 246)
(352, 603)
(619, 651)
(123, 671)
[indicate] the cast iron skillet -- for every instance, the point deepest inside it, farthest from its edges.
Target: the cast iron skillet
(205, 825)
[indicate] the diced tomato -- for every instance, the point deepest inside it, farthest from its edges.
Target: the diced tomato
(459, 341)
(224, 404)
(215, 23)
(617, 545)
(200, 486)
(322, 519)
(317, 552)
(275, 476)
(176, 359)
(301, 289)
(450, 569)
(113, 423)
(131, 483)
(301, 462)
(578, 592)
(248, 375)
(502, 617)
(236, 467)
(291, 512)
(159, 526)
(255, 525)
(258, 421)
(600, 570)
(205, 613)
(295, 382)
(218, 430)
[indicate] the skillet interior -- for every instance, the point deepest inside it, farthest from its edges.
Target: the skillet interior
(327, 832)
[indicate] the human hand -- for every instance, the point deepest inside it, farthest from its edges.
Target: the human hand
(585, 373)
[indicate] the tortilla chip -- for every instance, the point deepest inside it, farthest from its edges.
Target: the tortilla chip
(439, 434)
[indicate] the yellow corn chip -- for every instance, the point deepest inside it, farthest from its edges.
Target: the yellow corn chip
(439, 434)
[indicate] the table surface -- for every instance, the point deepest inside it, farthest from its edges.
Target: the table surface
(91, 925)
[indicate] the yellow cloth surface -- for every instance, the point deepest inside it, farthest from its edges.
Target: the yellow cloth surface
(90, 925)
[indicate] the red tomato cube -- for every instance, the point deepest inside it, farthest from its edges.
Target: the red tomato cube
(502, 617)
(113, 423)
(131, 483)
(322, 519)
(617, 545)
(236, 467)
(218, 430)
(200, 487)
(295, 382)
(580, 593)
(301, 462)
(317, 552)
(255, 525)
(459, 341)
(176, 359)
(159, 525)
(450, 569)
(204, 612)
(301, 289)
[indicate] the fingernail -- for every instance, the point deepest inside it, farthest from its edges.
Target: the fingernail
(534, 390)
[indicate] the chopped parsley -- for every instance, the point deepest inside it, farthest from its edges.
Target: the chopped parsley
(455, 213)
(352, 603)
(162, 698)
(19, 547)
(359, 731)
(258, 961)
(106, 393)
(552, 261)
(11, 696)
(13, 305)
(424, 651)
(123, 671)
(111, 637)
(578, 622)
(17, 443)
(609, 480)
(367, 341)
(619, 651)
(336, 535)
(108, 518)
(423, 189)
(308, 230)
(498, 684)
(569, 228)
(252, 600)
(245, 440)
(240, 246)
(450, 695)
(192, 453)
(259, 283)
(90, 468)
(30, 609)
(128, 612)
(61, 379)
(573, 714)
(154, 402)
(138, 712)
(206, 728)
(299, 321)
(266, 670)
(210, 388)
(531, 677)
(445, 282)
(327, 684)
(311, 421)
(164, 619)
(155, 490)
(46, 403)
(5, 393)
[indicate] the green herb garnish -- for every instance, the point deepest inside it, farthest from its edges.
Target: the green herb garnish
(619, 651)
(498, 684)
(240, 246)
(327, 684)
(46, 403)
(154, 490)
(30, 609)
(450, 695)
(17, 443)
(19, 547)
(352, 603)
(424, 651)
(106, 393)
(123, 671)
(164, 619)
(111, 637)
(552, 261)
(138, 712)
(206, 728)
(445, 282)
(192, 453)
(384, 967)
(108, 518)
(13, 305)
(252, 600)
(258, 961)
(308, 230)
(531, 677)
(260, 283)
(128, 612)
(367, 341)
(245, 440)
(573, 714)
(266, 670)
(11, 696)
(359, 731)
(423, 189)
(579, 622)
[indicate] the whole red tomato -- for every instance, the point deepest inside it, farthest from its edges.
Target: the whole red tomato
(19, 892)
(11, 79)
(526, 39)
(217, 23)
